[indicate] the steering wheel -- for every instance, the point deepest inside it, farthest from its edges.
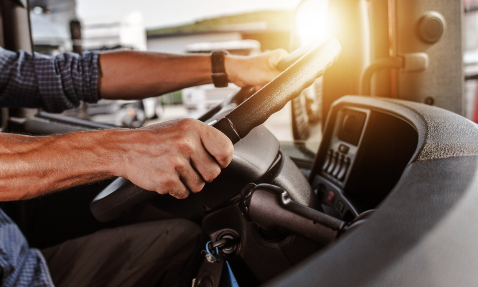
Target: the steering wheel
(301, 68)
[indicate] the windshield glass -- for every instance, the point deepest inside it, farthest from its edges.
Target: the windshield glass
(182, 26)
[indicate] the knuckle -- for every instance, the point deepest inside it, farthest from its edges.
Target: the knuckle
(185, 146)
(162, 189)
(180, 165)
(172, 163)
(180, 193)
(229, 149)
(188, 124)
(168, 184)
(197, 187)
(212, 174)
(225, 157)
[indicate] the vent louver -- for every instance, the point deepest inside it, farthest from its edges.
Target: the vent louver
(352, 126)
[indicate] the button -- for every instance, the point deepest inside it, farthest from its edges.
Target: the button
(340, 206)
(328, 159)
(330, 196)
(338, 166)
(344, 169)
(343, 148)
(333, 162)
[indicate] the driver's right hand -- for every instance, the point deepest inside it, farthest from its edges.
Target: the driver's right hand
(176, 157)
(256, 70)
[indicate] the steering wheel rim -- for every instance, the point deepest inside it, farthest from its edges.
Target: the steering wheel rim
(233, 99)
(122, 195)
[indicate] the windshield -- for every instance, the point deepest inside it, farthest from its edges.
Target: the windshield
(241, 27)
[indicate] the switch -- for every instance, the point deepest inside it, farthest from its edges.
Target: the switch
(344, 169)
(330, 196)
(340, 206)
(328, 160)
(333, 163)
(338, 166)
(343, 148)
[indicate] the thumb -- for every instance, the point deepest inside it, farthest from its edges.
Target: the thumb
(276, 56)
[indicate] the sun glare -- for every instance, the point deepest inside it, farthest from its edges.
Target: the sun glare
(311, 20)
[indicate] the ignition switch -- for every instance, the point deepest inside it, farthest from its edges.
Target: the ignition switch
(228, 243)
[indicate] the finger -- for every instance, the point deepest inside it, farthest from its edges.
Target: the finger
(193, 181)
(205, 165)
(217, 144)
(170, 183)
(179, 191)
(276, 56)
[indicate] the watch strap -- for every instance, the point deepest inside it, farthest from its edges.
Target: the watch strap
(219, 76)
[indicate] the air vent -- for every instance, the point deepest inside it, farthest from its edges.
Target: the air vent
(352, 126)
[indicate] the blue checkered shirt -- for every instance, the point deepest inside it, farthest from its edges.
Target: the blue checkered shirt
(53, 84)
(19, 264)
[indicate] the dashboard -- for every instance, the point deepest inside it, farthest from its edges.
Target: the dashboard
(415, 164)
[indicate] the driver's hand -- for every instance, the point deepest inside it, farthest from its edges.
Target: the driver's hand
(176, 157)
(255, 70)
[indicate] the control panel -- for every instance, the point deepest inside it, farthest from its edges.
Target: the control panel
(344, 144)
(342, 150)
(362, 156)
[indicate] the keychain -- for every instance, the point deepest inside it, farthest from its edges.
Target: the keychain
(212, 272)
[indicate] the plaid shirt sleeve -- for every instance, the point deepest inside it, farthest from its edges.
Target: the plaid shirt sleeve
(52, 83)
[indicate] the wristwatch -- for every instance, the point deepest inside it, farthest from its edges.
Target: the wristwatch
(219, 76)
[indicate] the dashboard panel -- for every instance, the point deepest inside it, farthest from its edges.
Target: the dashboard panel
(361, 158)
(423, 232)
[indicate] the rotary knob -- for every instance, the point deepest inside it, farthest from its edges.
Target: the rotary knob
(431, 26)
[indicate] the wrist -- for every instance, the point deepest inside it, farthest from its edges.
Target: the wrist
(117, 145)
(231, 63)
(131, 150)
(96, 151)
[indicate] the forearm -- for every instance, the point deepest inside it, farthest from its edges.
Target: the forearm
(175, 157)
(135, 75)
(33, 166)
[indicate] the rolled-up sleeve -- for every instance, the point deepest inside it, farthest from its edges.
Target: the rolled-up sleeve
(53, 83)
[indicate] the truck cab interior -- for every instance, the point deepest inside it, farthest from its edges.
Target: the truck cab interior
(389, 198)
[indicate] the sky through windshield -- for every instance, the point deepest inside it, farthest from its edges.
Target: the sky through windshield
(163, 13)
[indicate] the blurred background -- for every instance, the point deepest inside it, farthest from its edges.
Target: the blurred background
(180, 26)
